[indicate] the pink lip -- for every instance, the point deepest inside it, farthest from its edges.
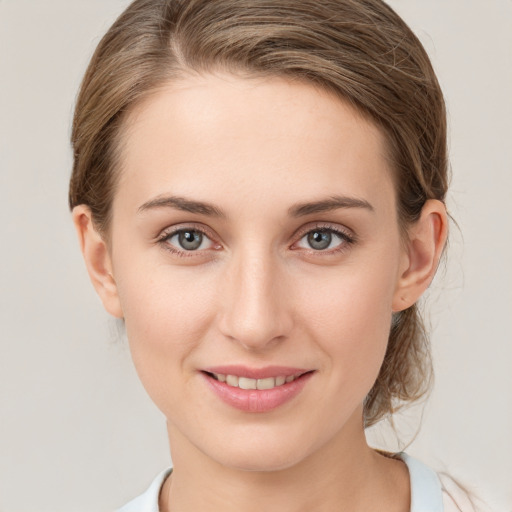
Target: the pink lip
(256, 400)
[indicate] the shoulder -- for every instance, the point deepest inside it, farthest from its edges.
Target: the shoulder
(433, 492)
(148, 501)
(455, 498)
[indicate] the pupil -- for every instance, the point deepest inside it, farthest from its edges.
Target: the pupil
(319, 240)
(190, 240)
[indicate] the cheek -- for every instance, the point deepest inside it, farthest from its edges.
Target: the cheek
(350, 316)
(167, 314)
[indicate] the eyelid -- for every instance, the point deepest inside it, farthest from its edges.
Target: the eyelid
(347, 235)
(327, 226)
(170, 231)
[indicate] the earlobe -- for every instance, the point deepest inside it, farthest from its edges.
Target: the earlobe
(97, 260)
(427, 238)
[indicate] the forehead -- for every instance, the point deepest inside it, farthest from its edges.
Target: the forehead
(221, 136)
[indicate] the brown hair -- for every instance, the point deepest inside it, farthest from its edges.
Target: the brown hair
(359, 50)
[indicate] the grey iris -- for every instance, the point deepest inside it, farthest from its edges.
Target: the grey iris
(319, 240)
(190, 240)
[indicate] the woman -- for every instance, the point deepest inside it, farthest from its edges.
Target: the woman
(258, 190)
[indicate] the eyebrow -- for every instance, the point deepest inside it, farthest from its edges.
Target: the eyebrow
(297, 210)
(181, 203)
(327, 205)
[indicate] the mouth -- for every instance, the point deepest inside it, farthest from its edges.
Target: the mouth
(240, 382)
(256, 390)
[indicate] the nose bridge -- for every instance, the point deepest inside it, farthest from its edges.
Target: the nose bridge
(255, 313)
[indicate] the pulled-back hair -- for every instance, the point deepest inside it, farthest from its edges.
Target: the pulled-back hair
(359, 50)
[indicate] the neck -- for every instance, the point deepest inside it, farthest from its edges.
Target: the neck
(344, 474)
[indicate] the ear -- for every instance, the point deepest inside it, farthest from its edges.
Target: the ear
(426, 240)
(97, 260)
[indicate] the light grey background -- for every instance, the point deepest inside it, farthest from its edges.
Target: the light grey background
(77, 432)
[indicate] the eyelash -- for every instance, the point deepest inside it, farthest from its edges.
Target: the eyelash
(346, 239)
(163, 240)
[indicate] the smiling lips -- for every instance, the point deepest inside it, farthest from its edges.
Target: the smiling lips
(247, 383)
(256, 390)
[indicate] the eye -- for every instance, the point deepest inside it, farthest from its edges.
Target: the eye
(186, 240)
(325, 239)
(319, 240)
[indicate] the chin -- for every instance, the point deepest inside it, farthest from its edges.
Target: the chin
(260, 456)
(260, 464)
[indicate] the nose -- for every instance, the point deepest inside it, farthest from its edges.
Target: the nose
(255, 311)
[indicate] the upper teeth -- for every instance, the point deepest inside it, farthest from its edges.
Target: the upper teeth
(246, 383)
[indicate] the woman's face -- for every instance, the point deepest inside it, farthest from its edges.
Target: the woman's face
(254, 234)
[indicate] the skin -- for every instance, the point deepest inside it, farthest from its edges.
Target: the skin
(256, 293)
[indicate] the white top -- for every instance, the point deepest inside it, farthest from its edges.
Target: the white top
(429, 492)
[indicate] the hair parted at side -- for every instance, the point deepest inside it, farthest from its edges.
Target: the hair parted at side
(360, 50)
